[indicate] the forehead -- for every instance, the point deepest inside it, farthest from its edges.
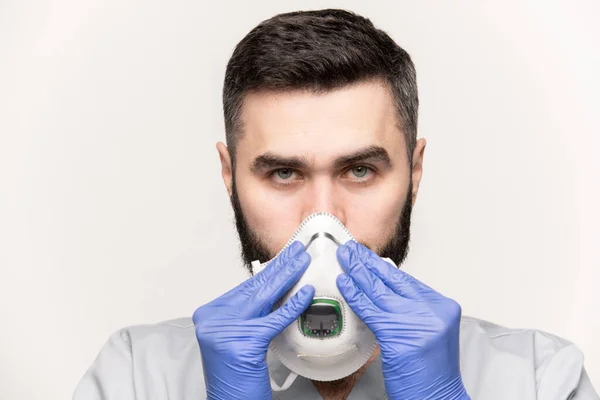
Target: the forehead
(319, 125)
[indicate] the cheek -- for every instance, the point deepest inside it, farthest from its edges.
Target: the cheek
(372, 218)
(271, 215)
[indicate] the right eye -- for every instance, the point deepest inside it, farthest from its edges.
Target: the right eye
(284, 176)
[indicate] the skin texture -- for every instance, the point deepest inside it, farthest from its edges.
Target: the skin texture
(367, 196)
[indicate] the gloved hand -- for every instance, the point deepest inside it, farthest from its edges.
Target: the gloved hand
(234, 331)
(417, 328)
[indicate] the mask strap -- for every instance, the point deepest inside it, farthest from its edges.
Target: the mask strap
(288, 382)
(256, 267)
(389, 260)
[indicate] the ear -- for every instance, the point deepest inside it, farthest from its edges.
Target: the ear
(226, 168)
(417, 168)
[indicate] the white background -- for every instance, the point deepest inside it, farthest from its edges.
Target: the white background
(112, 209)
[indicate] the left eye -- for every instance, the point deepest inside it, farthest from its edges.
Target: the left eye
(359, 171)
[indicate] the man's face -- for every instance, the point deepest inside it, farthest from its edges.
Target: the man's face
(340, 152)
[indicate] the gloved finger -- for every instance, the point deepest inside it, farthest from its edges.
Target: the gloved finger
(281, 318)
(237, 297)
(381, 295)
(358, 301)
(399, 281)
(257, 281)
(262, 301)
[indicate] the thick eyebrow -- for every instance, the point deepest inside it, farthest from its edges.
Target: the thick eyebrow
(368, 154)
(270, 160)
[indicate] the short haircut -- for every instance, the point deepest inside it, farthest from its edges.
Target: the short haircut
(319, 51)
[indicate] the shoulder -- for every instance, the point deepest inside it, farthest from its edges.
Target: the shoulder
(166, 359)
(180, 328)
(146, 361)
(518, 341)
(548, 362)
(161, 340)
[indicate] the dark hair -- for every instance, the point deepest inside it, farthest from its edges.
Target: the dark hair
(318, 51)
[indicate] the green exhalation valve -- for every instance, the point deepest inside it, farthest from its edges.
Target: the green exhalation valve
(323, 319)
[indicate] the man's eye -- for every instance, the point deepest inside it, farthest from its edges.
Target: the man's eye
(360, 174)
(359, 171)
(284, 173)
(285, 176)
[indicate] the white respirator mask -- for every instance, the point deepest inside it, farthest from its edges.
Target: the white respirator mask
(328, 342)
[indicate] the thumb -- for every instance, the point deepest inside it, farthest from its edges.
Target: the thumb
(281, 318)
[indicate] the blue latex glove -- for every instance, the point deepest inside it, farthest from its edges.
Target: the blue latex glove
(234, 331)
(417, 328)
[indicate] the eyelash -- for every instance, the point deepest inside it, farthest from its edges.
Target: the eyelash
(371, 170)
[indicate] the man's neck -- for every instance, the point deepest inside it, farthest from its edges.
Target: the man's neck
(340, 389)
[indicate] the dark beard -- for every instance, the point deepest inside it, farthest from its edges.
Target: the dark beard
(252, 248)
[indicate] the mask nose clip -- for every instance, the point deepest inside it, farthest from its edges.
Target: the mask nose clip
(322, 235)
